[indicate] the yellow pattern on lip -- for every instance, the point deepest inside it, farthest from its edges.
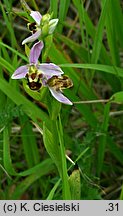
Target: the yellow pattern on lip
(59, 83)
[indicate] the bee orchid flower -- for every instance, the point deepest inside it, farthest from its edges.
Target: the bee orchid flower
(42, 26)
(38, 75)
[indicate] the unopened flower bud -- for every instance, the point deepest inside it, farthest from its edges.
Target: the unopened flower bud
(45, 19)
(52, 25)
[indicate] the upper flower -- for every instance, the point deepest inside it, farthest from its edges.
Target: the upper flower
(42, 74)
(42, 26)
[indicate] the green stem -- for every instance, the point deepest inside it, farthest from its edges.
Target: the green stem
(66, 187)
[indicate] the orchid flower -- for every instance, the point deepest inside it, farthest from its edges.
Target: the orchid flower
(38, 75)
(42, 26)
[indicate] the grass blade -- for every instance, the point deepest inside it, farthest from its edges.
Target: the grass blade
(6, 153)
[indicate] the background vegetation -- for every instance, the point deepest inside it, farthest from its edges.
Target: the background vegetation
(88, 45)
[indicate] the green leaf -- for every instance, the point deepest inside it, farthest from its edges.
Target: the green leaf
(117, 97)
(27, 50)
(117, 14)
(112, 33)
(6, 153)
(52, 147)
(121, 194)
(37, 168)
(99, 33)
(52, 192)
(14, 51)
(45, 167)
(28, 138)
(8, 22)
(63, 8)
(103, 68)
(54, 7)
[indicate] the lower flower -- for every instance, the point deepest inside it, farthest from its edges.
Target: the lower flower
(45, 74)
(56, 84)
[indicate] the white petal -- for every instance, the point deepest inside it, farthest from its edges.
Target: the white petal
(32, 38)
(36, 16)
(60, 97)
(50, 69)
(20, 72)
(35, 52)
(52, 25)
